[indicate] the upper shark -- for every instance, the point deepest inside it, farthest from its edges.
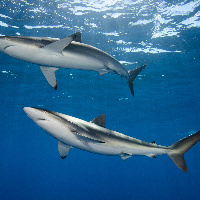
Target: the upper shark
(53, 53)
(94, 137)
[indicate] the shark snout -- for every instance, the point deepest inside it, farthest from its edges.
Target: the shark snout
(4, 43)
(34, 113)
(27, 110)
(31, 112)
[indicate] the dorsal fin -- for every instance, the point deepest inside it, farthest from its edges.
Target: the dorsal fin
(100, 120)
(77, 37)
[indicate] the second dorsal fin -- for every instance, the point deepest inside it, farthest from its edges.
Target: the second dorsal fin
(100, 120)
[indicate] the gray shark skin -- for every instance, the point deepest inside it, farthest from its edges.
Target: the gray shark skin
(53, 53)
(94, 137)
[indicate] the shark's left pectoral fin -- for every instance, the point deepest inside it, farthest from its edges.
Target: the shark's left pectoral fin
(59, 45)
(63, 149)
(124, 156)
(49, 74)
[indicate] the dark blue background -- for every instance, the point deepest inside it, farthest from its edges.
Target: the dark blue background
(165, 107)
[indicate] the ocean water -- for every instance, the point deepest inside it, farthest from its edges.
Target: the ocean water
(165, 35)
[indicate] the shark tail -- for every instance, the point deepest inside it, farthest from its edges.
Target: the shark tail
(181, 147)
(132, 75)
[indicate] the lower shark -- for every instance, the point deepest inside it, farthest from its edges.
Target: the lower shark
(94, 137)
(53, 53)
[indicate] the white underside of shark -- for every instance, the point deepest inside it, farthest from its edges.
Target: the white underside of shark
(94, 137)
(51, 54)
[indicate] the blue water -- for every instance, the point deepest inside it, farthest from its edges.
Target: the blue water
(161, 34)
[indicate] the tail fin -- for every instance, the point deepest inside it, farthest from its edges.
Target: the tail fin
(180, 147)
(132, 75)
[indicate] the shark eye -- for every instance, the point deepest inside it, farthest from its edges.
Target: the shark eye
(41, 119)
(74, 132)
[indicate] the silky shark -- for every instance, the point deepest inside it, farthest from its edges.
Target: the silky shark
(53, 53)
(94, 137)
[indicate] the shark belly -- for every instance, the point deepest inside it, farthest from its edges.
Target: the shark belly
(107, 148)
(42, 57)
(110, 146)
(53, 53)
(94, 137)
(138, 147)
(148, 151)
(64, 135)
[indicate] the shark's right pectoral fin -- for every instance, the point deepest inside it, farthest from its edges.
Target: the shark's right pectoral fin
(63, 149)
(49, 74)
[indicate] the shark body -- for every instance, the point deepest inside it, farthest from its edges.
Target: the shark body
(94, 137)
(53, 53)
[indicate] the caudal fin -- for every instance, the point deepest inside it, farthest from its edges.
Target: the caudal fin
(180, 147)
(132, 75)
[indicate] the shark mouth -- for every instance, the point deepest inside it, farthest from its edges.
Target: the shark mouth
(8, 47)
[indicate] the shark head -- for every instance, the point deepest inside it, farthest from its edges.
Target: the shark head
(37, 114)
(66, 128)
(46, 120)
(55, 124)
(4, 43)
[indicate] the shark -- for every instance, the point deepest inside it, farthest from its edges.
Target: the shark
(50, 54)
(94, 137)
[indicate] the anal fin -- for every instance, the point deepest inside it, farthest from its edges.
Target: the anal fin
(103, 72)
(63, 149)
(124, 156)
(49, 74)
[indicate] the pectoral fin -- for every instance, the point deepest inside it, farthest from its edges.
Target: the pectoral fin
(59, 45)
(49, 74)
(63, 149)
